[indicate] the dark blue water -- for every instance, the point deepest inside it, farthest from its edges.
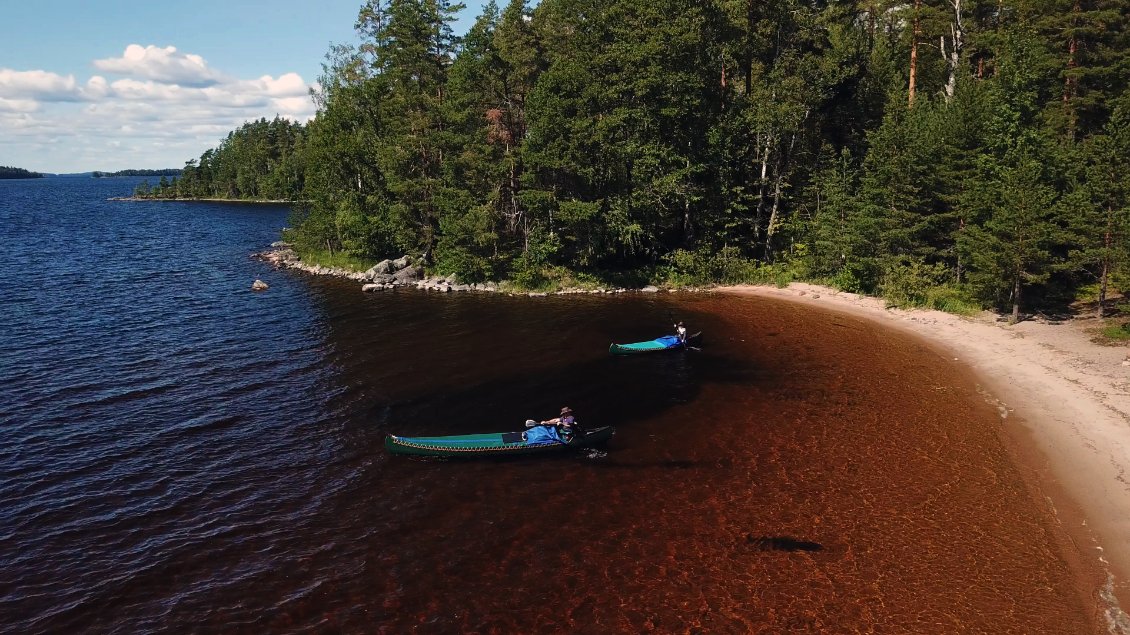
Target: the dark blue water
(179, 453)
(133, 375)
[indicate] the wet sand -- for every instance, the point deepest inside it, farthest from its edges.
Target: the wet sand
(1065, 408)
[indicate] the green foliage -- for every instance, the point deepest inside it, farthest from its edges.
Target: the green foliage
(593, 142)
(727, 266)
(335, 259)
(846, 279)
(532, 268)
(166, 172)
(910, 282)
(1117, 332)
(466, 240)
(7, 172)
(260, 160)
(952, 300)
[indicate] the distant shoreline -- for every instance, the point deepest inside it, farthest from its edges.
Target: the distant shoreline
(250, 201)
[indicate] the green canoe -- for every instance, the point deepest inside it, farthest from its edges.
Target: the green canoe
(665, 343)
(491, 444)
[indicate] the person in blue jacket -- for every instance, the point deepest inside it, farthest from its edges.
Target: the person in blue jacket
(565, 424)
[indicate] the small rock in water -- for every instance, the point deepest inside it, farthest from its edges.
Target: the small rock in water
(259, 285)
(650, 289)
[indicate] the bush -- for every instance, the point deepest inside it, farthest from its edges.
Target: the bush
(335, 259)
(846, 280)
(1116, 332)
(531, 269)
(727, 266)
(952, 300)
(908, 283)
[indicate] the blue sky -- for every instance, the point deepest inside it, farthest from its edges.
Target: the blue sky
(112, 85)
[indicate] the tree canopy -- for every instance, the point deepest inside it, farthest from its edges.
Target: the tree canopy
(898, 148)
(7, 172)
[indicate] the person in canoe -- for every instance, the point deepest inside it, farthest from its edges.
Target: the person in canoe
(564, 424)
(681, 331)
(565, 420)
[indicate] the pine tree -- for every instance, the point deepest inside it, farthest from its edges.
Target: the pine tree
(1100, 205)
(1011, 248)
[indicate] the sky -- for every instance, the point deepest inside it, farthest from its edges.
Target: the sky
(122, 84)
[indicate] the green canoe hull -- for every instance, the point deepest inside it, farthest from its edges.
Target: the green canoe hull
(491, 444)
(653, 346)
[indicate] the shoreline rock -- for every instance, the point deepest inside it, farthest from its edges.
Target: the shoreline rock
(406, 272)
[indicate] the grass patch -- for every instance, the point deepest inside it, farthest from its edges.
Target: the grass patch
(946, 298)
(336, 259)
(1116, 332)
(549, 279)
(951, 300)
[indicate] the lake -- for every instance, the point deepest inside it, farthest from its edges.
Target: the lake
(180, 453)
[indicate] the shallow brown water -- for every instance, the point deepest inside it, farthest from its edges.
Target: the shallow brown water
(804, 473)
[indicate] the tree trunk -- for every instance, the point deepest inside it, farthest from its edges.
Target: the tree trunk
(747, 62)
(763, 183)
(1069, 78)
(1107, 240)
(774, 219)
(914, 53)
(957, 42)
(688, 227)
(1015, 300)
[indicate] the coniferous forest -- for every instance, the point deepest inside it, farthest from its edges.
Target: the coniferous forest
(938, 152)
(7, 172)
(260, 160)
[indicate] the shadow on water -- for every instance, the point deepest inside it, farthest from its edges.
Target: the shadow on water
(605, 391)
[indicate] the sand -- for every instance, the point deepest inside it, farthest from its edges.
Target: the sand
(1069, 396)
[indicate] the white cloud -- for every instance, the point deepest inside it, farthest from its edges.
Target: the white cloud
(37, 85)
(96, 88)
(168, 108)
(293, 105)
(288, 85)
(151, 91)
(18, 105)
(162, 65)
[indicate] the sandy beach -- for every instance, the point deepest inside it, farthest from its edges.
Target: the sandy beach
(1067, 397)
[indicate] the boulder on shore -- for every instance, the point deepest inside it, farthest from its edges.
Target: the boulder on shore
(408, 274)
(259, 285)
(381, 268)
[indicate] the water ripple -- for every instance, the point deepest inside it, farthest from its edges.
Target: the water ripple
(180, 454)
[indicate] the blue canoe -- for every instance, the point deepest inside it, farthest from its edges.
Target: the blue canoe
(532, 441)
(665, 343)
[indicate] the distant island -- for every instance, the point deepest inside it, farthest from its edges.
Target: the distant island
(18, 173)
(166, 172)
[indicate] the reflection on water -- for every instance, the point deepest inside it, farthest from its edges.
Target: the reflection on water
(212, 460)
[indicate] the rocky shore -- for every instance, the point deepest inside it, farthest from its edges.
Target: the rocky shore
(406, 271)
